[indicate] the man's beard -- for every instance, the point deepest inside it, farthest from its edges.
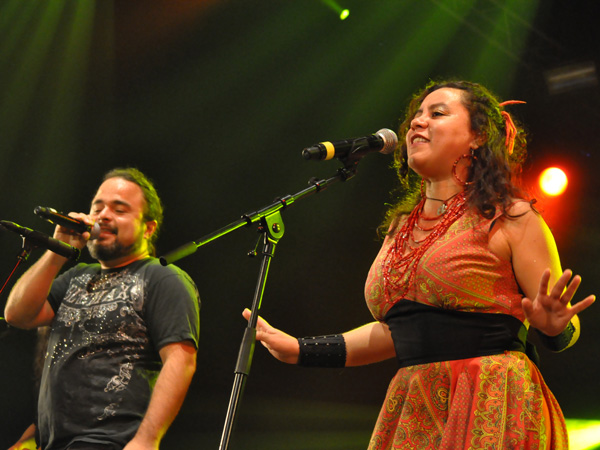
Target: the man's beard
(113, 251)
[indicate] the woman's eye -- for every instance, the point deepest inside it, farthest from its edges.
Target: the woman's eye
(437, 114)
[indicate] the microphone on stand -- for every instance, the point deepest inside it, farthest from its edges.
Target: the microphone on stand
(56, 218)
(384, 141)
(42, 240)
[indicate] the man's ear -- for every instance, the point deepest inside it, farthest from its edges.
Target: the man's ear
(150, 228)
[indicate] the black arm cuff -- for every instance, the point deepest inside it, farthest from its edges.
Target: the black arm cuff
(322, 351)
(559, 342)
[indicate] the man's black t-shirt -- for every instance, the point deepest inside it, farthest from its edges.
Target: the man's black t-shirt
(102, 359)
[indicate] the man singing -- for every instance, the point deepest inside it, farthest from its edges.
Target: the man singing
(122, 347)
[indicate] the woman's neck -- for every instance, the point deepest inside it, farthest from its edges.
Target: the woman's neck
(437, 193)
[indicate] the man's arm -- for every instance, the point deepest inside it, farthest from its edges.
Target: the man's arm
(27, 306)
(179, 365)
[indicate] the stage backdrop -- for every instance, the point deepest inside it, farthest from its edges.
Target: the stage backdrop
(215, 101)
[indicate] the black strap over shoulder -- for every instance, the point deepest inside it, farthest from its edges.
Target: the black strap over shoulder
(424, 334)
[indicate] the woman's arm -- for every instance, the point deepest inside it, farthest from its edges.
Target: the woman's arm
(367, 344)
(532, 250)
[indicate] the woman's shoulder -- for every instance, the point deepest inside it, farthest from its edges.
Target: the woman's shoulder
(518, 207)
(517, 225)
(520, 214)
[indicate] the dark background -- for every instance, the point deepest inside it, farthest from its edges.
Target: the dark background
(215, 100)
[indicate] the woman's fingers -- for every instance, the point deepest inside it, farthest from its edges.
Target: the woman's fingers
(260, 323)
(583, 304)
(544, 282)
(569, 293)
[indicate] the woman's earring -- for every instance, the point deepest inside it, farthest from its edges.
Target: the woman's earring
(456, 177)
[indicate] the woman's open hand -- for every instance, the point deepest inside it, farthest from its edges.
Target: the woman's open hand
(550, 312)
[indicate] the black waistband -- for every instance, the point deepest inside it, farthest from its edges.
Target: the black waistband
(424, 334)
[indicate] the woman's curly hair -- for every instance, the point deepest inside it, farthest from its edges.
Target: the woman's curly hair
(494, 175)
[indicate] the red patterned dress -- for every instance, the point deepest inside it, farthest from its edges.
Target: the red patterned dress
(497, 401)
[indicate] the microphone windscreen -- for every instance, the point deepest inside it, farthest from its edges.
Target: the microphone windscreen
(390, 140)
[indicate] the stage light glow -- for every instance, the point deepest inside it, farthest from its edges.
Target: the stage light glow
(583, 434)
(553, 181)
(333, 5)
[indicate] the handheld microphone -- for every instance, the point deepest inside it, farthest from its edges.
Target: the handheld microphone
(384, 141)
(42, 240)
(56, 218)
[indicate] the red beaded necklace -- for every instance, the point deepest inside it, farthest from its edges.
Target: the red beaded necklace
(396, 264)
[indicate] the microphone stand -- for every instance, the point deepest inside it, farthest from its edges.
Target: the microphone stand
(272, 227)
(247, 219)
(28, 247)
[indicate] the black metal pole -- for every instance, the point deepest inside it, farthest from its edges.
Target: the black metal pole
(273, 229)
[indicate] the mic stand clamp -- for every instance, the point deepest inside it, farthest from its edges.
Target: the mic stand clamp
(28, 247)
(350, 167)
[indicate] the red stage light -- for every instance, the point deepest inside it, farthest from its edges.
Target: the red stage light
(553, 181)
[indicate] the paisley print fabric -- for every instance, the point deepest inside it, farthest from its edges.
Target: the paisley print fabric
(489, 402)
